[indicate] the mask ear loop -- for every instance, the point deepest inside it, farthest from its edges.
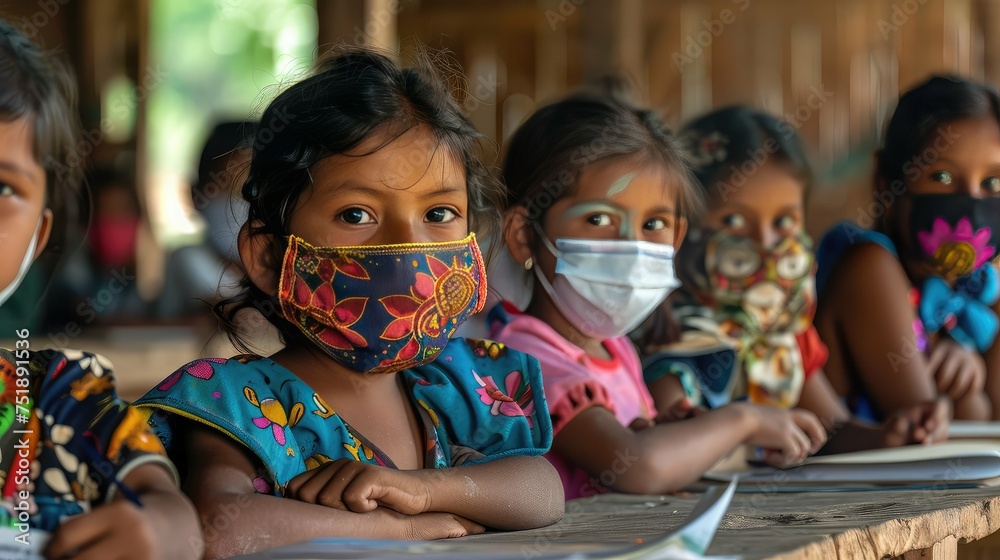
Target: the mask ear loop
(22, 271)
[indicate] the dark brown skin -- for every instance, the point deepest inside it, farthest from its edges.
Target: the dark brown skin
(664, 457)
(766, 208)
(166, 526)
(868, 325)
(407, 191)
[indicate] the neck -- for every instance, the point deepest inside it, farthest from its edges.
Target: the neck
(329, 377)
(543, 309)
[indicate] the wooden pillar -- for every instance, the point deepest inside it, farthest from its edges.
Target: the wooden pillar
(989, 21)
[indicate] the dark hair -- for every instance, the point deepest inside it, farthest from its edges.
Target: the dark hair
(722, 143)
(547, 154)
(39, 86)
(920, 115)
(353, 93)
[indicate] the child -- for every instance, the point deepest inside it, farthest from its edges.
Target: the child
(74, 459)
(598, 193)
(747, 271)
(928, 325)
(363, 188)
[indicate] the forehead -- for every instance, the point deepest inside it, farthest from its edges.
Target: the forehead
(627, 181)
(770, 185)
(968, 142)
(17, 149)
(412, 161)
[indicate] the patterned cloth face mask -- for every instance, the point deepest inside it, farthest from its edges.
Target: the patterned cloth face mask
(958, 236)
(382, 308)
(759, 300)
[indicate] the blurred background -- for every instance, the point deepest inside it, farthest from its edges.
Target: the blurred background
(169, 90)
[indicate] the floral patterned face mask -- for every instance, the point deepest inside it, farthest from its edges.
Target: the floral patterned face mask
(382, 308)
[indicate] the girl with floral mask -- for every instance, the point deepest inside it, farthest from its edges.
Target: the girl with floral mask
(598, 194)
(75, 460)
(364, 189)
(748, 298)
(909, 306)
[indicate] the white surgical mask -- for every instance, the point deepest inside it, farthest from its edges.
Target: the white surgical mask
(607, 288)
(22, 271)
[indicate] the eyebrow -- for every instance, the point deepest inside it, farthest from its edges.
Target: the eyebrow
(663, 210)
(14, 168)
(443, 190)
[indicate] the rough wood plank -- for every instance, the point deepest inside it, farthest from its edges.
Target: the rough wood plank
(944, 550)
(783, 526)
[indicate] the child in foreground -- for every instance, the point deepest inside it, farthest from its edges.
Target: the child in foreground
(74, 459)
(597, 205)
(364, 191)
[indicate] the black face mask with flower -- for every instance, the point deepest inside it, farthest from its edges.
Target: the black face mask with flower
(957, 236)
(955, 233)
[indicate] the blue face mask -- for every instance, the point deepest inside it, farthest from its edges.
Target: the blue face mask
(22, 271)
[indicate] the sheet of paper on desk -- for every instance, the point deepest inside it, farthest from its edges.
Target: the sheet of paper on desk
(953, 462)
(687, 542)
(15, 545)
(966, 429)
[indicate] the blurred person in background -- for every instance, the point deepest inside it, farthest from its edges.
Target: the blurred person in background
(98, 283)
(199, 275)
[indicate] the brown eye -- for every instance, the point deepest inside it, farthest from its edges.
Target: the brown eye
(785, 223)
(356, 216)
(441, 215)
(942, 177)
(599, 220)
(6, 190)
(991, 185)
(735, 221)
(655, 224)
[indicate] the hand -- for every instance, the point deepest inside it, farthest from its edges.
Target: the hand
(359, 487)
(680, 410)
(788, 436)
(957, 371)
(118, 530)
(924, 423)
(431, 526)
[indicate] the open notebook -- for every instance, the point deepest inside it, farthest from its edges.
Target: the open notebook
(952, 463)
(689, 541)
(964, 429)
(15, 545)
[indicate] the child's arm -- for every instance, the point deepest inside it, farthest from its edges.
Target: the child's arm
(925, 423)
(865, 314)
(510, 493)
(166, 526)
(671, 401)
(667, 457)
(238, 520)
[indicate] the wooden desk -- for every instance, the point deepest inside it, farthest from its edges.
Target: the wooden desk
(909, 524)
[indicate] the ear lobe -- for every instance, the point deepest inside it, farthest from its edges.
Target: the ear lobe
(517, 234)
(680, 230)
(258, 256)
(44, 231)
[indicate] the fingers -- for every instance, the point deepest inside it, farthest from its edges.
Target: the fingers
(812, 427)
(640, 424)
(323, 485)
(78, 534)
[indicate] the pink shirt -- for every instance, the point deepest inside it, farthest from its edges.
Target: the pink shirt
(575, 381)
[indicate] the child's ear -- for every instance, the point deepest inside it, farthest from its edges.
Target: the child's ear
(680, 230)
(518, 235)
(43, 233)
(257, 254)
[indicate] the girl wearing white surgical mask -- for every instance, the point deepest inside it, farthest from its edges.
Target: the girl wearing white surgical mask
(598, 194)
